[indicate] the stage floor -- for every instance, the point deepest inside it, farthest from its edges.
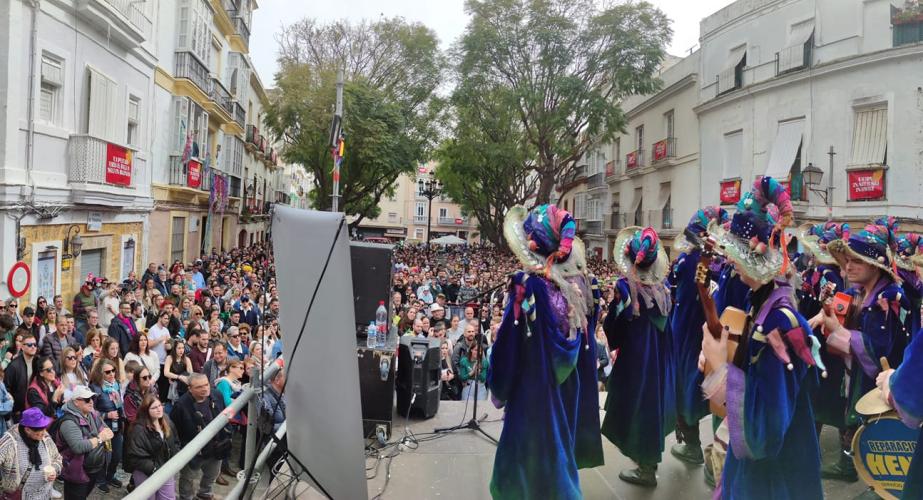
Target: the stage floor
(459, 466)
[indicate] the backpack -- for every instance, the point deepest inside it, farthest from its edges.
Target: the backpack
(76, 467)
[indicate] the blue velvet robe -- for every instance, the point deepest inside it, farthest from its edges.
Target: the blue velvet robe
(829, 400)
(913, 288)
(686, 326)
(640, 408)
(529, 363)
(908, 401)
(877, 332)
(731, 291)
(773, 451)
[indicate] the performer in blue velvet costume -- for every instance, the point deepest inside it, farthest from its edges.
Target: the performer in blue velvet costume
(640, 408)
(686, 327)
(901, 387)
(540, 363)
(830, 398)
(772, 450)
(909, 246)
(875, 330)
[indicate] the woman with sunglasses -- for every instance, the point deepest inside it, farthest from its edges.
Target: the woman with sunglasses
(110, 352)
(151, 441)
(41, 308)
(29, 459)
(141, 386)
(104, 381)
(72, 373)
(45, 391)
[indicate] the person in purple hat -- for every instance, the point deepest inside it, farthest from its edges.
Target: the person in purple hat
(766, 388)
(29, 459)
(874, 329)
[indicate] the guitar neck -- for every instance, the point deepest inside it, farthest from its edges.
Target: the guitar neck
(710, 310)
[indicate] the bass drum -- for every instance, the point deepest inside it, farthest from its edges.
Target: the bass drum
(882, 450)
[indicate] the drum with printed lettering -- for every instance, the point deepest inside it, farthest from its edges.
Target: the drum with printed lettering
(882, 451)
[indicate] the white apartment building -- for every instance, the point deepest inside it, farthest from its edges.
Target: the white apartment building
(653, 174)
(76, 87)
(784, 81)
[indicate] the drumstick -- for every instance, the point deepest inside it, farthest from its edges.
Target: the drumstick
(884, 364)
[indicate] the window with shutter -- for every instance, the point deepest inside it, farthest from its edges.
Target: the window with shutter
(102, 111)
(134, 121)
(47, 99)
(180, 123)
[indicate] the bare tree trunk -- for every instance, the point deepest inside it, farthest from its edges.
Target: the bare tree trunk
(546, 185)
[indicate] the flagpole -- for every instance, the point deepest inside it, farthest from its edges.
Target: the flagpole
(337, 120)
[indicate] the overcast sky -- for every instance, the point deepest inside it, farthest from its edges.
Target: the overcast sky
(446, 17)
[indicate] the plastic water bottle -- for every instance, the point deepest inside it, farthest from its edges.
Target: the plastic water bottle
(371, 341)
(381, 323)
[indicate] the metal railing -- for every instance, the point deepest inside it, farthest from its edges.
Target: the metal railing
(617, 221)
(596, 180)
(638, 160)
(179, 175)
(173, 466)
(661, 219)
(88, 156)
(187, 66)
(664, 149)
(240, 26)
(240, 116)
(136, 17)
(221, 96)
(420, 219)
(593, 227)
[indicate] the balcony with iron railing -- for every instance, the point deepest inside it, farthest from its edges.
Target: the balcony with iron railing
(634, 161)
(253, 135)
(240, 116)
(597, 180)
(94, 162)
(616, 221)
(123, 21)
(663, 150)
(661, 220)
(420, 219)
(221, 96)
(179, 175)
(594, 227)
(240, 26)
(188, 67)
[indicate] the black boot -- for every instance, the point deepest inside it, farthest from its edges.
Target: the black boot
(643, 475)
(689, 453)
(841, 470)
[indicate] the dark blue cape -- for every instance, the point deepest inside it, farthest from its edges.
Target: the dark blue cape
(640, 408)
(731, 291)
(908, 400)
(686, 325)
(773, 451)
(529, 363)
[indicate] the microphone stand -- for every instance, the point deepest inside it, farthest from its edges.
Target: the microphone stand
(475, 423)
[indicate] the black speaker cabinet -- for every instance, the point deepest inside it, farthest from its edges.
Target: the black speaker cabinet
(376, 388)
(371, 270)
(419, 370)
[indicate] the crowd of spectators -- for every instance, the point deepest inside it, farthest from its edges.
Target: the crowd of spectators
(101, 394)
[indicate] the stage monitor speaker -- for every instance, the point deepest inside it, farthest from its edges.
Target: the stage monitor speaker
(376, 387)
(418, 373)
(371, 267)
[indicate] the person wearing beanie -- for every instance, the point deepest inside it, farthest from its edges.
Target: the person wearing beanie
(909, 247)
(543, 364)
(873, 330)
(686, 327)
(766, 388)
(640, 408)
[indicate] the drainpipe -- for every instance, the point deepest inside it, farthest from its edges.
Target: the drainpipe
(30, 141)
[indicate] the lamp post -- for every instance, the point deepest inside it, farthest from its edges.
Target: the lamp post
(813, 177)
(432, 188)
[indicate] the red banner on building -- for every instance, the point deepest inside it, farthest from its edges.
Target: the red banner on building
(193, 174)
(610, 168)
(459, 221)
(660, 150)
(866, 184)
(118, 165)
(631, 160)
(730, 192)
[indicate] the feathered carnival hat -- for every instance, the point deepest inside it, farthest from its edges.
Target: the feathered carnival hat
(639, 255)
(874, 245)
(816, 237)
(755, 239)
(698, 224)
(909, 251)
(543, 237)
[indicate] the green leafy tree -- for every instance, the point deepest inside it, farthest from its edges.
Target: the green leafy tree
(566, 64)
(486, 165)
(390, 113)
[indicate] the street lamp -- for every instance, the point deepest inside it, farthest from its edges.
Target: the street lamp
(432, 188)
(813, 176)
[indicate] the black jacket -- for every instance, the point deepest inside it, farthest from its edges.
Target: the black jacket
(120, 332)
(146, 451)
(16, 380)
(190, 423)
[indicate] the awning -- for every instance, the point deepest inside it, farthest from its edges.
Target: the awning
(801, 33)
(870, 138)
(784, 149)
(737, 53)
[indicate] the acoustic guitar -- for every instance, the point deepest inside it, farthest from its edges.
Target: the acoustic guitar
(733, 319)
